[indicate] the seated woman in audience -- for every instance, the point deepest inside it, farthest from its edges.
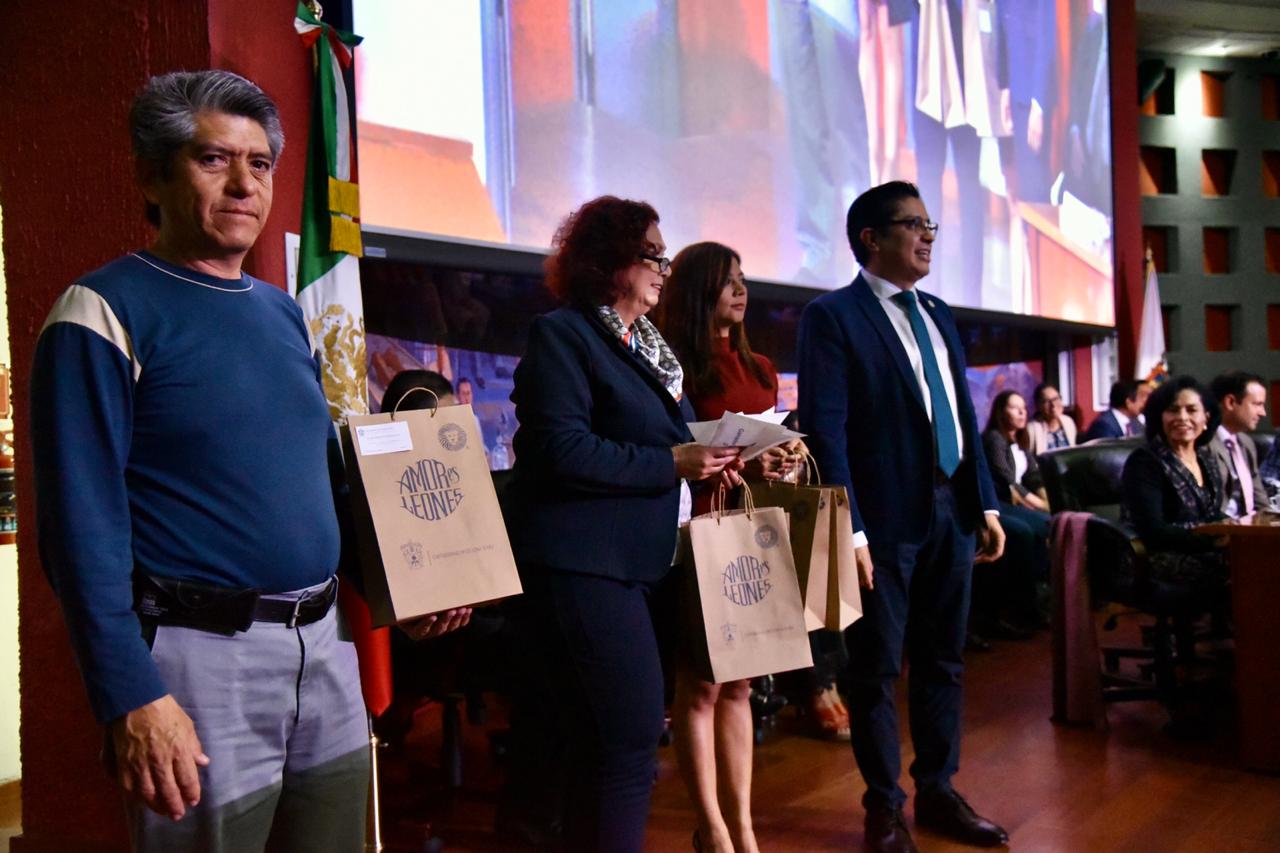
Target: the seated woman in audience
(1050, 427)
(701, 316)
(1024, 513)
(1171, 484)
(602, 450)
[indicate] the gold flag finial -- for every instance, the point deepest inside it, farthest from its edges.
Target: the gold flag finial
(316, 9)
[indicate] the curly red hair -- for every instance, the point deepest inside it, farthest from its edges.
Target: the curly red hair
(593, 243)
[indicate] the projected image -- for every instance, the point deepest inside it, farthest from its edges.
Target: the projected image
(755, 123)
(481, 379)
(986, 383)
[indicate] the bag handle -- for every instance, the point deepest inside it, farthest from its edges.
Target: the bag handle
(812, 476)
(433, 394)
(720, 496)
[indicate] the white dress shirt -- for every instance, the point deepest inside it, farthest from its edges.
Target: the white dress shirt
(1122, 419)
(1019, 462)
(901, 322)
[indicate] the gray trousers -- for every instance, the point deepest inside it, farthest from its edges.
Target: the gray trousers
(278, 711)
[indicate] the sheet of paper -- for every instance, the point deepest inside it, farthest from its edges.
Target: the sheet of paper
(753, 433)
(376, 439)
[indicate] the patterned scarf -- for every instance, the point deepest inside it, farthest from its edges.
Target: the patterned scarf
(1199, 503)
(647, 343)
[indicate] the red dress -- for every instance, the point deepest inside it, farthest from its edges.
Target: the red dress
(740, 392)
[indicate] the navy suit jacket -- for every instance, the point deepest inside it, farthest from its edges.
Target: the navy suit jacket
(594, 489)
(867, 426)
(1104, 425)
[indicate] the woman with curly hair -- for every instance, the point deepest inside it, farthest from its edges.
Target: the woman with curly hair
(602, 451)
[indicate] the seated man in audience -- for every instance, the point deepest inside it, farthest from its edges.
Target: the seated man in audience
(1243, 400)
(398, 396)
(1124, 418)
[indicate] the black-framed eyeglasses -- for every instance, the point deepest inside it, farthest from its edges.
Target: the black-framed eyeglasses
(916, 224)
(664, 264)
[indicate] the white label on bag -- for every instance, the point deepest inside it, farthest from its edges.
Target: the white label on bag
(984, 20)
(376, 439)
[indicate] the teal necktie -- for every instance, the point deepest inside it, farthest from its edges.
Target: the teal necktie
(944, 425)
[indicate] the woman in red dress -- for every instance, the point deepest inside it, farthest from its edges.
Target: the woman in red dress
(701, 313)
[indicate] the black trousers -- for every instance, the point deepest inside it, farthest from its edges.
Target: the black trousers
(920, 606)
(598, 646)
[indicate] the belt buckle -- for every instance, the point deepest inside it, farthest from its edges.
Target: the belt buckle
(293, 617)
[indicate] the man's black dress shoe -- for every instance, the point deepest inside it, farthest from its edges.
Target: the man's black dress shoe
(886, 831)
(974, 642)
(946, 813)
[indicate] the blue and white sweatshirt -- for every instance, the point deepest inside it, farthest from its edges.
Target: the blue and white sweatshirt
(179, 430)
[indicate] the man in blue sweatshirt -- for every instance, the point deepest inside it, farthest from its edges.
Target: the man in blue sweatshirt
(187, 519)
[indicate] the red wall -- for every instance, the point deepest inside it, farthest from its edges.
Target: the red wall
(70, 205)
(1125, 164)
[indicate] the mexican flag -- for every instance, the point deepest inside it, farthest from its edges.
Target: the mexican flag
(328, 258)
(1151, 365)
(329, 290)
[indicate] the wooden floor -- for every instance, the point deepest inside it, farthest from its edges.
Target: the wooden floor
(1053, 788)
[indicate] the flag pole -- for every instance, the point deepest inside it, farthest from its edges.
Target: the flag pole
(329, 294)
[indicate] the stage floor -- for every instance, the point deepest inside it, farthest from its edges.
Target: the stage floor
(1053, 788)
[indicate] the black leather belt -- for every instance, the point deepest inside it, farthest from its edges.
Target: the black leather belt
(190, 604)
(304, 610)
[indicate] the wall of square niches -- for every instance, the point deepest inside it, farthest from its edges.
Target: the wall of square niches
(1209, 173)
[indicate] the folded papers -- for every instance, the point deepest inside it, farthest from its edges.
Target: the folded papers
(753, 433)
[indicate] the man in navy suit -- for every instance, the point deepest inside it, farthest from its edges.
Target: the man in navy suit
(1128, 396)
(884, 400)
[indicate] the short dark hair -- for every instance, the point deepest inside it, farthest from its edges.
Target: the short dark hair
(1122, 391)
(405, 381)
(1236, 383)
(593, 243)
(1164, 395)
(873, 209)
(1038, 394)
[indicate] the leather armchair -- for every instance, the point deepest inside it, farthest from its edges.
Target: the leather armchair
(1086, 478)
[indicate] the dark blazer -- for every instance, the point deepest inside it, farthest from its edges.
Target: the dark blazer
(864, 414)
(1163, 512)
(1226, 470)
(1104, 425)
(594, 488)
(1003, 469)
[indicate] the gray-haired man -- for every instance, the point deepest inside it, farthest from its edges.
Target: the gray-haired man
(186, 517)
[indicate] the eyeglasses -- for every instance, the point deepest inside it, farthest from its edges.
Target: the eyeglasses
(916, 224)
(664, 264)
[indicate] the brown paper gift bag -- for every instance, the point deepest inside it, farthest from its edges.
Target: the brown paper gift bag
(822, 543)
(742, 596)
(808, 512)
(844, 594)
(430, 531)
